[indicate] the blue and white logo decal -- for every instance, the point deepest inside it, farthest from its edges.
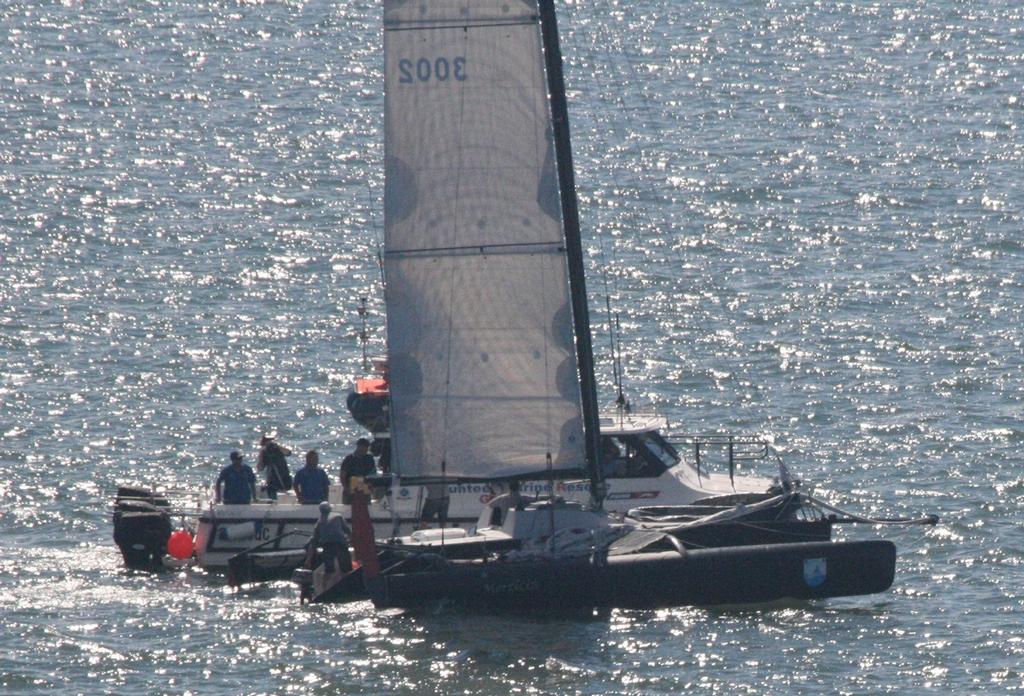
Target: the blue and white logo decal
(815, 571)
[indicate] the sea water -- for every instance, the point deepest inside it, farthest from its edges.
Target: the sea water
(807, 217)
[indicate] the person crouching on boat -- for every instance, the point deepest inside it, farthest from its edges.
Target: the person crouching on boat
(311, 483)
(330, 533)
(236, 484)
(272, 460)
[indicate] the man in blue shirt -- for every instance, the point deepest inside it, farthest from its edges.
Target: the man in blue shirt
(238, 482)
(311, 482)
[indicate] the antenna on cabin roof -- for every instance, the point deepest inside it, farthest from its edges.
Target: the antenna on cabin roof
(621, 399)
(615, 340)
(362, 331)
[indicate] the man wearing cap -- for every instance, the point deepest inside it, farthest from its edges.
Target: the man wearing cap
(331, 533)
(359, 463)
(238, 482)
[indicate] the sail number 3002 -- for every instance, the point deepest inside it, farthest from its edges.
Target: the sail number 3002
(427, 70)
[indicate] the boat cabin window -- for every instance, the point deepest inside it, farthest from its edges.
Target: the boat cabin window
(635, 456)
(660, 448)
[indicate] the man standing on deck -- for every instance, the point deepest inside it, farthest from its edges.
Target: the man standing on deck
(311, 483)
(238, 482)
(435, 505)
(358, 464)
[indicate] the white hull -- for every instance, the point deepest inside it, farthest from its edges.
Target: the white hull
(225, 530)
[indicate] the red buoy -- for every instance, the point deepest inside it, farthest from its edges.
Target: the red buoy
(180, 545)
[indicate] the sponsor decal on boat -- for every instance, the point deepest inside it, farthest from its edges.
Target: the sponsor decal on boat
(528, 488)
(634, 495)
(514, 587)
(815, 571)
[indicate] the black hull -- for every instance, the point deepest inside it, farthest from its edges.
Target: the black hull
(720, 576)
(350, 588)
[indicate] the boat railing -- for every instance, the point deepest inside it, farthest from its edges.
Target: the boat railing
(721, 449)
(236, 564)
(270, 542)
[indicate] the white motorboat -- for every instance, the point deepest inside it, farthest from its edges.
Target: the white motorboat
(650, 470)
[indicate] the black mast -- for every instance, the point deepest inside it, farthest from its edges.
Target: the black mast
(574, 248)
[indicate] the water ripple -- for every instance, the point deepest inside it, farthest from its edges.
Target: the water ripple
(807, 216)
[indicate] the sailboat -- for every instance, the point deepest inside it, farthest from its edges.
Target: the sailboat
(490, 365)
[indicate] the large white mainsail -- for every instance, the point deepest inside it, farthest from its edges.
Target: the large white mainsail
(483, 374)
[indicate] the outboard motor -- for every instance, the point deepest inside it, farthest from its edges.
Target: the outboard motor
(142, 526)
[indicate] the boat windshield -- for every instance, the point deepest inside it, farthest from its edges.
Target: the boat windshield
(642, 455)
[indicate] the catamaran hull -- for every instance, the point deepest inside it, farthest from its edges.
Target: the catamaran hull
(752, 533)
(721, 576)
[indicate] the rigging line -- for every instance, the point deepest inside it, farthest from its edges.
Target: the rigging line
(594, 40)
(618, 180)
(622, 63)
(620, 398)
(457, 200)
(648, 112)
(611, 339)
(540, 134)
(604, 265)
(378, 232)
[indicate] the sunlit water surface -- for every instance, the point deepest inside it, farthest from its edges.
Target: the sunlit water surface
(807, 215)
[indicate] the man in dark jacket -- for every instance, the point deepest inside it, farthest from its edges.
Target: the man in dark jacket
(358, 464)
(272, 461)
